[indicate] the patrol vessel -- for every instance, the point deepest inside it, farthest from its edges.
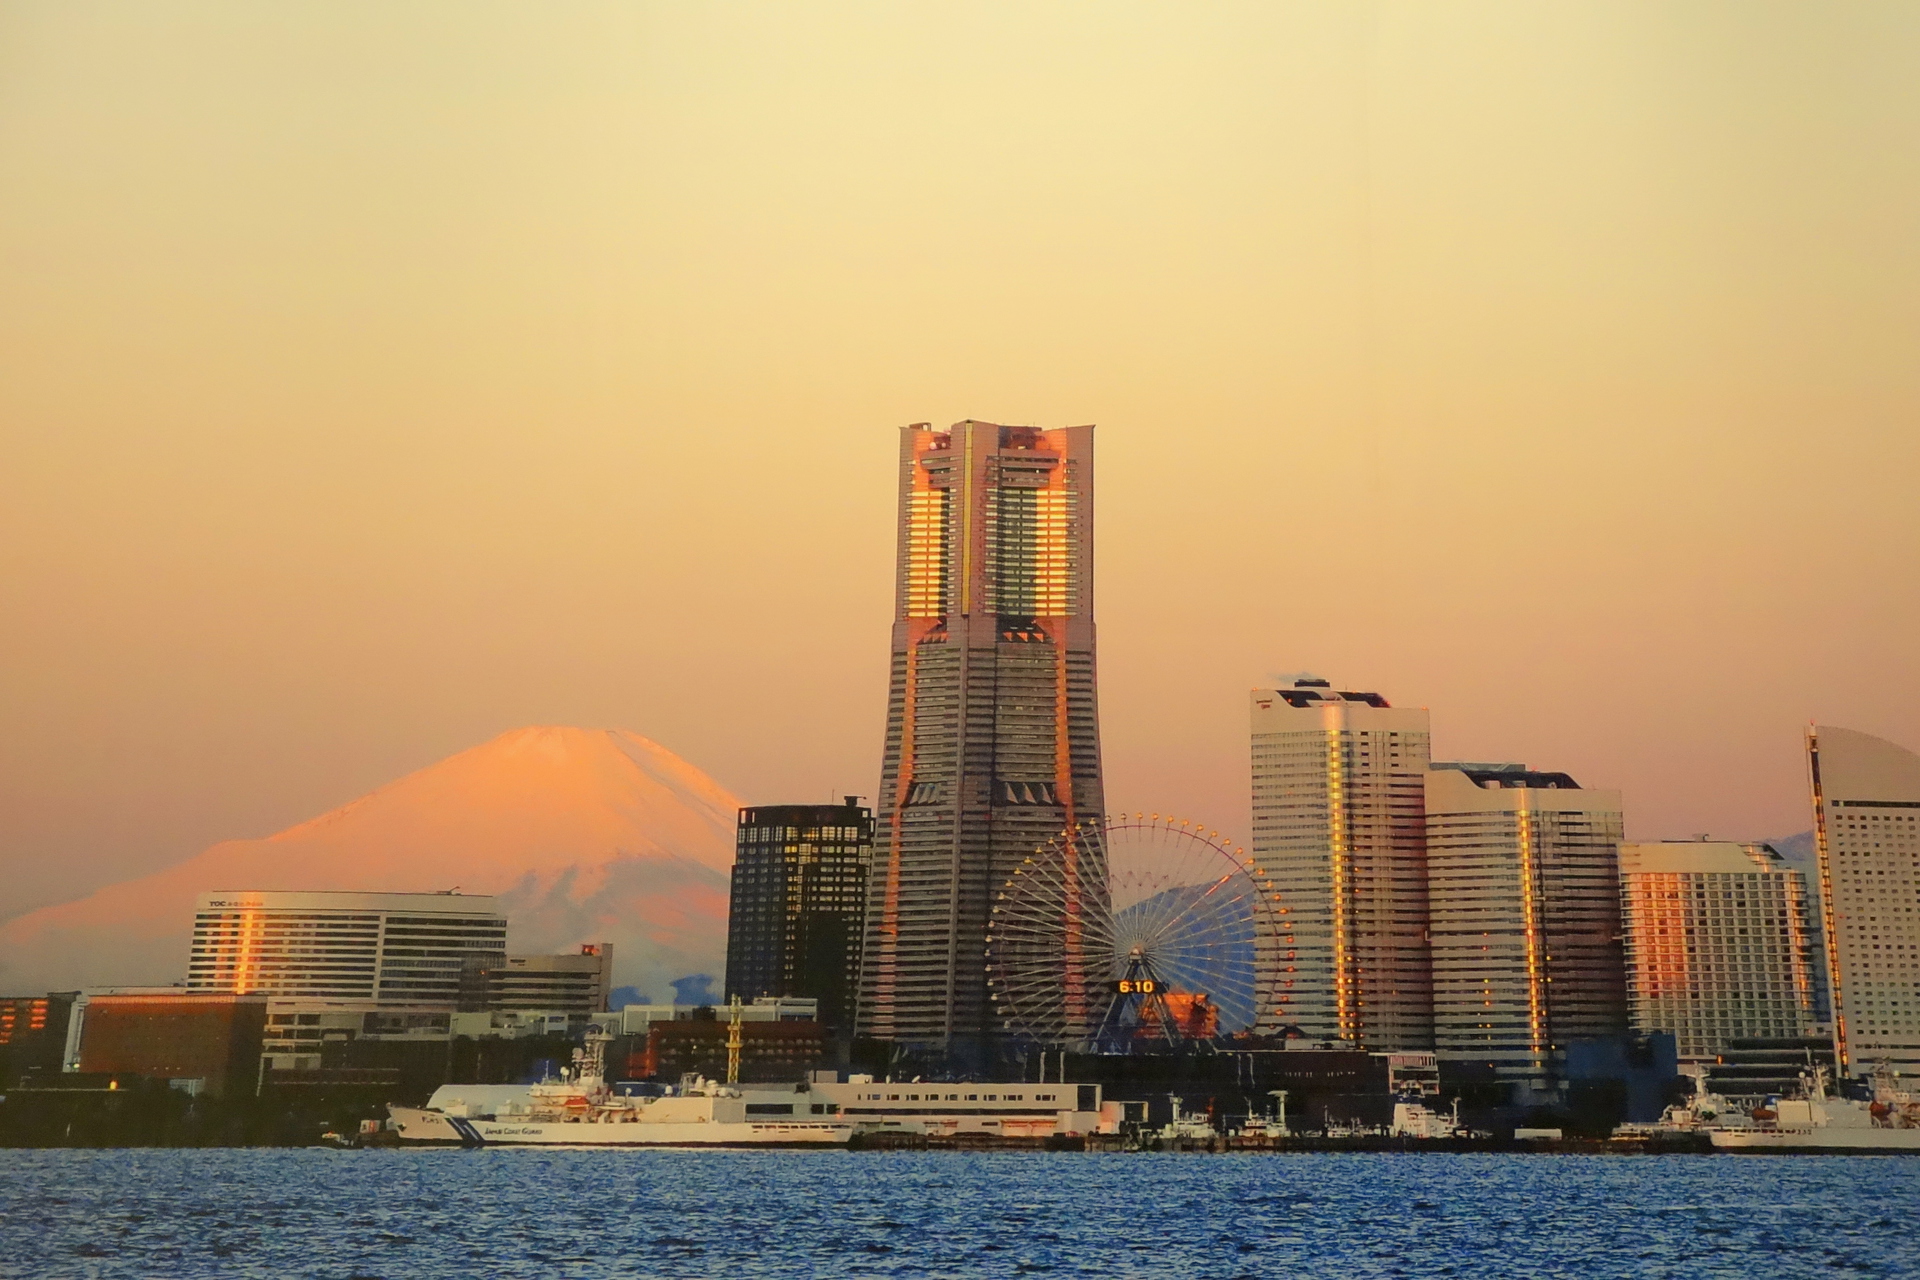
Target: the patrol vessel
(579, 1109)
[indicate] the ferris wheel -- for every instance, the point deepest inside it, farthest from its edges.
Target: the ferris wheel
(1138, 928)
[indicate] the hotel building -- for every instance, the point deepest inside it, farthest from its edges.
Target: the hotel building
(1866, 828)
(404, 948)
(1339, 797)
(992, 742)
(799, 902)
(1718, 947)
(1524, 894)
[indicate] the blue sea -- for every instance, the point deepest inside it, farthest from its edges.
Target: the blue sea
(552, 1214)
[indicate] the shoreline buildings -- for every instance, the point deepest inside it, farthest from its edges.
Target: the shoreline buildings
(1866, 815)
(1524, 895)
(992, 737)
(1339, 782)
(799, 903)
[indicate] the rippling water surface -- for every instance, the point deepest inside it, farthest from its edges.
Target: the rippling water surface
(668, 1213)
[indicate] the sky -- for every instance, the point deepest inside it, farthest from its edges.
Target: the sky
(376, 378)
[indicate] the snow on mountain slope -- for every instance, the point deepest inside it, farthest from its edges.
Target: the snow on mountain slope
(585, 835)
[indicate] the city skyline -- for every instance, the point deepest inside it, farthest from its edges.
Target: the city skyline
(347, 428)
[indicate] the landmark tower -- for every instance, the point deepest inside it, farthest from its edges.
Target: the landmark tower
(993, 733)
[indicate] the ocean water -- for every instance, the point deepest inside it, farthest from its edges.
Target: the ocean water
(557, 1213)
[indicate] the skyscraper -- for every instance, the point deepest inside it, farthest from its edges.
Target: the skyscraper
(1718, 946)
(1339, 796)
(799, 896)
(1866, 829)
(1524, 892)
(993, 735)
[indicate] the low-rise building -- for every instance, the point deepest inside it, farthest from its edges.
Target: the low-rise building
(769, 1051)
(168, 1033)
(33, 1032)
(573, 983)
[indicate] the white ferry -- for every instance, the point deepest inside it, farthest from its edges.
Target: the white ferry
(580, 1110)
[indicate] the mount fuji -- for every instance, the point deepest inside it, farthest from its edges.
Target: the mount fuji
(585, 835)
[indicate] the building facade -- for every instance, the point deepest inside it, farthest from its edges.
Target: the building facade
(1339, 799)
(576, 984)
(1718, 948)
(1524, 894)
(33, 1033)
(169, 1033)
(406, 948)
(992, 742)
(799, 904)
(1866, 828)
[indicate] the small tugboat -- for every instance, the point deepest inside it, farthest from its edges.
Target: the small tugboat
(580, 1110)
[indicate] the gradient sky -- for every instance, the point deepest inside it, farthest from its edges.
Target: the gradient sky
(375, 378)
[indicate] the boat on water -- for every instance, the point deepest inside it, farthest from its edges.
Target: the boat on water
(579, 1109)
(1816, 1122)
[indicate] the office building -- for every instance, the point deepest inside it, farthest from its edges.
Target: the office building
(992, 742)
(770, 1051)
(1524, 893)
(1717, 944)
(33, 1033)
(208, 1041)
(799, 902)
(405, 948)
(576, 984)
(1866, 828)
(1339, 797)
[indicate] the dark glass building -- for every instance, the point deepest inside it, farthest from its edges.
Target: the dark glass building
(799, 895)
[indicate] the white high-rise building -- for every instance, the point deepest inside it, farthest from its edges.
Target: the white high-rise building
(400, 948)
(1718, 944)
(1524, 895)
(1339, 788)
(1866, 826)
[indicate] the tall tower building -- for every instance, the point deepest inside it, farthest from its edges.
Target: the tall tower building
(799, 898)
(1718, 944)
(993, 732)
(1524, 890)
(1866, 830)
(1339, 797)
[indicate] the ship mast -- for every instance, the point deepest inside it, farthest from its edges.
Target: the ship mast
(733, 1040)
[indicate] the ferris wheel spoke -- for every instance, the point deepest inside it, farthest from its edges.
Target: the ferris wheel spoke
(1065, 922)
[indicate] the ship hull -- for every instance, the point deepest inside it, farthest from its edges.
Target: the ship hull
(418, 1127)
(1817, 1140)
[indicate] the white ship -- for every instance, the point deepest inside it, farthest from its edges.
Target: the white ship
(579, 1110)
(1814, 1123)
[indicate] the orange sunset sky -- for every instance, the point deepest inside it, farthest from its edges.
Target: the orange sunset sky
(378, 377)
